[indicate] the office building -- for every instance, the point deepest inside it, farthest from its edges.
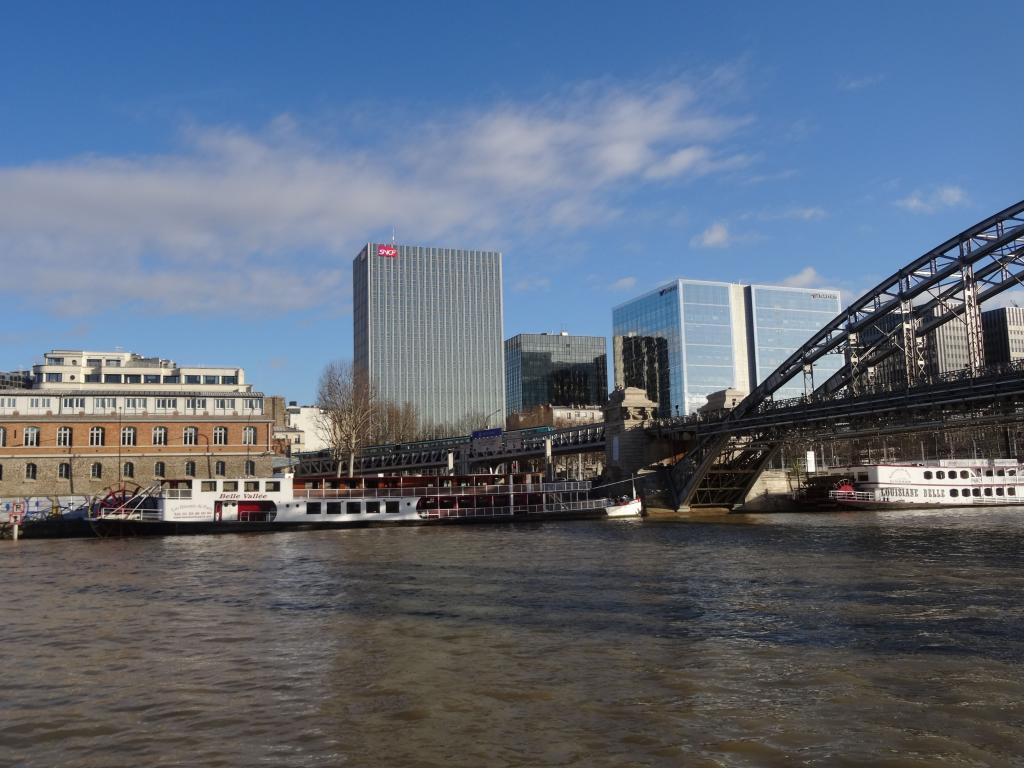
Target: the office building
(555, 369)
(76, 431)
(1003, 330)
(427, 324)
(688, 339)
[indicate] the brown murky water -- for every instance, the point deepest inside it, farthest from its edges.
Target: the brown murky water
(827, 640)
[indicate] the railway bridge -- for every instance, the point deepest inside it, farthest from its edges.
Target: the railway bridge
(714, 460)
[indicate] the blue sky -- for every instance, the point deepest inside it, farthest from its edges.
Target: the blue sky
(192, 180)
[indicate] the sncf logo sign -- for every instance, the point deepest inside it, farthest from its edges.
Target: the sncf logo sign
(387, 250)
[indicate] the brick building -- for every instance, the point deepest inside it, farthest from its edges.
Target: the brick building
(150, 420)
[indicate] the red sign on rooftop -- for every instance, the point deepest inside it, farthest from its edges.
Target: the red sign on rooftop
(390, 251)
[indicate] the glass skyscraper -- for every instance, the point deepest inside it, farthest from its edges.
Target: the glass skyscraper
(427, 324)
(689, 338)
(555, 369)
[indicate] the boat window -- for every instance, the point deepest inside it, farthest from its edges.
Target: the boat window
(964, 474)
(273, 485)
(208, 485)
(862, 476)
(988, 473)
(1011, 491)
(373, 507)
(313, 508)
(391, 506)
(252, 485)
(1011, 472)
(954, 492)
(353, 508)
(333, 507)
(1000, 473)
(975, 491)
(927, 475)
(230, 485)
(940, 475)
(999, 491)
(967, 491)
(988, 491)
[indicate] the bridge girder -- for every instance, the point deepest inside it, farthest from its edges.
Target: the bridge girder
(948, 283)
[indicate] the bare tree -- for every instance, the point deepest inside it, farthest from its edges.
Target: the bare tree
(348, 410)
(396, 423)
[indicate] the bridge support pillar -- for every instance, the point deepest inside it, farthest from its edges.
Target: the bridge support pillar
(629, 449)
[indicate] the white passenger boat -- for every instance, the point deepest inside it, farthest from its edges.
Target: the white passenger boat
(941, 483)
(625, 508)
(196, 505)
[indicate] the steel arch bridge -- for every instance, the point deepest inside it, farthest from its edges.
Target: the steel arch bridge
(888, 324)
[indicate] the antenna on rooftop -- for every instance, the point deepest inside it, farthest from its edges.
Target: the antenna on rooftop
(392, 234)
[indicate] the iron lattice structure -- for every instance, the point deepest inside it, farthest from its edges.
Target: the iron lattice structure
(947, 284)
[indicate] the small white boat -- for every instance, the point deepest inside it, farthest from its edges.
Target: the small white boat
(629, 508)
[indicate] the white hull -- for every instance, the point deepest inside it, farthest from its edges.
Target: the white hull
(630, 509)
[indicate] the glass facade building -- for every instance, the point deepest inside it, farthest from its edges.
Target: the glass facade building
(427, 326)
(690, 338)
(779, 320)
(555, 369)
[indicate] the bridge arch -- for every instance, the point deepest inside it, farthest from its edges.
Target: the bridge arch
(947, 283)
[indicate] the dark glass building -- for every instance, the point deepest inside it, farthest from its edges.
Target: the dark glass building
(427, 326)
(555, 369)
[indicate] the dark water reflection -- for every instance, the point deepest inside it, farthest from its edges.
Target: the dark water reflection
(839, 639)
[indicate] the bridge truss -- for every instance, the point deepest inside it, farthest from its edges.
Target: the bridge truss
(947, 284)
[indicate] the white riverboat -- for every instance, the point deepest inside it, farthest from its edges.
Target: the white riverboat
(625, 507)
(941, 483)
(218, 505)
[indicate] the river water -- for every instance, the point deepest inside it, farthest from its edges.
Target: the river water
(891, 639)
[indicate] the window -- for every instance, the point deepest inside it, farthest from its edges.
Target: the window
(190, 436)
(135, 403)
(64, 436)
(1000, 473)
(273, 485)
(999, 491)
(128, 470)
(333, 507)
(196, 403)
(1011, 472)
(30, 471)
(862, 477)
(940, 475)
(93, 361)
(225, 404)
(39, 402)
(988, 473)
(1, 471)
(211, 379)
(391, 506)
(54, 377)
(31, 437)
(132, 378)
(313, 508)
(954, 492)
(249, 436)
(220, 468)
(104, 403)
(250, 467)
(64, 470)
(229, 380)
(167, 403)
(372, 507)
(3, 437)
(96, 436)
(975, 491)
(92, 378)
(96, 470)
(964, 474)
(927, 475)
(159, 469)
(1011, 491)
(353, 507)
(128, 436)
(111, 378)
(231, 485)
(151, 378)
(159, 435)
(988, 491)
(190, 469)
(172, 379)
(55, 361)
(113, 363)
(252, 405)
(191, 378)
(208, 485)
(220, 435)
(74, 403)
(251, 486)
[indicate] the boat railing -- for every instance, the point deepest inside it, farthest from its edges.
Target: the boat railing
(177, 493)
(851, 495)
(461, 490)
(517, 509)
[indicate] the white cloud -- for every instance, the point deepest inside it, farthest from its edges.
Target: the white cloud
(528, 284)
(715, 236)
(935, 199)
(808, 277)
(623, 284)
(860, 83)
(808, 213)
(236, 217)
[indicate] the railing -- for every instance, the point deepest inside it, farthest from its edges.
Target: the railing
(177, 493)
(518, 509)
(851, 495)
(433, 490)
